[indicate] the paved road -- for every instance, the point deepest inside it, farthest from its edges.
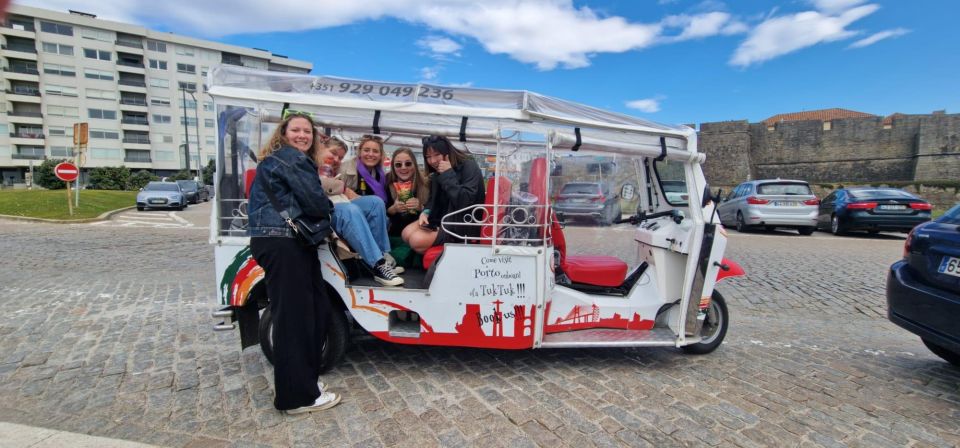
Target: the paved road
(106, 331)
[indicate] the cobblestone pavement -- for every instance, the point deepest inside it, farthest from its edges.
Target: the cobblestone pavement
(106, 331)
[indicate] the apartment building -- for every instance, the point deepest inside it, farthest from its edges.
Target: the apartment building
(140, 91)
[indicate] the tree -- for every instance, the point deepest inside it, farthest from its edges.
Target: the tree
(140, 179)
(181, 175)
(110, 178)
(43, 175)
(209, 173)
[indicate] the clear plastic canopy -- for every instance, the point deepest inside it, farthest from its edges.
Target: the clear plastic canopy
(244, 83)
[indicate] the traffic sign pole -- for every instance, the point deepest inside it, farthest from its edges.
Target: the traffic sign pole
(69, 202)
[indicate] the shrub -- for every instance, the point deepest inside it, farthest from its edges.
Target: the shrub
(110, 178)
(182, 175)
(140, 179)
(208, 173)
(43, 175)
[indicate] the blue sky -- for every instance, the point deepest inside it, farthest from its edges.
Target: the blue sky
(672, 61)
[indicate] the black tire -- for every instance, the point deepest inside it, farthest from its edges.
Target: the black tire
(836, 226)
(806, 231)
(741, 226)
(338, 334)
(714, 327)
(947, 355)
(139, 208)
(183, 207)
(769, 228)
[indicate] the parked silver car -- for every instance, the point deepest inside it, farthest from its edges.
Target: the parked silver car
(161, 195)
(770, 204)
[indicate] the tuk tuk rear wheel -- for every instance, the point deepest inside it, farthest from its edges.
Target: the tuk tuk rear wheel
(714, 327)
(335, 345)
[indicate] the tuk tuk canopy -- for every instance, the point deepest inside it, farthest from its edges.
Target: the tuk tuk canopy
(467, 112)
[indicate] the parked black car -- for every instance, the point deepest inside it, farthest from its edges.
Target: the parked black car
(871, 209)
(194, 191)
(588, 199)
(923, 289)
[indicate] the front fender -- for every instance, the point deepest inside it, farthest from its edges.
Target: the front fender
(729, 268)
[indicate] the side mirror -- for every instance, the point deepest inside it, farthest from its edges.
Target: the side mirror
(141, 188)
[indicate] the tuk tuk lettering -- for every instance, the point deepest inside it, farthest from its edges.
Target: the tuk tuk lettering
(499, 317)
(493, 273)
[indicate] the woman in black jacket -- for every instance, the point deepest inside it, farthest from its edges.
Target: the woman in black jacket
(298, 301)
(455, 183)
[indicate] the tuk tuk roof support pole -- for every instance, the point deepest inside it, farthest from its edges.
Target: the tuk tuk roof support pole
(496, 194)
(688, 312)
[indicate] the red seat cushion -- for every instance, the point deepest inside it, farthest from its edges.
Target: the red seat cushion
(599, 270)
(431, 255)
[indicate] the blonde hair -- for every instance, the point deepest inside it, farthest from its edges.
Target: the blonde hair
(278, 139)
(420, 182)
(372, 138)
(326, 143)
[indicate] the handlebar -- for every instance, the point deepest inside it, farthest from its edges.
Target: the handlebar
(642, 216)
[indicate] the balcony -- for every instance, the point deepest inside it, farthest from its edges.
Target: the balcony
(144, 140)
(129, 43)
(137, 159)
(133, 102)
(27, 156)
(25, 114)
(130, 63)
(22, 48)
(132, 82)
(137, 121)
(25, 91)
(23, 70)
(23, 134)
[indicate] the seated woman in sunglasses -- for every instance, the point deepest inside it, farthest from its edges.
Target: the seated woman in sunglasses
(365, 175)
(408, 190)
(362, 220)
(456, 182)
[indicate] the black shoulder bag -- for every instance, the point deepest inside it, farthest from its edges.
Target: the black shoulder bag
(308, 232)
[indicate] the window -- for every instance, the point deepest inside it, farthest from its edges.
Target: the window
(52, 48)
(184, 51)
(63, 111)
(193, 138)
(102, 55)
(188, 86)
(161, 83)
(61, 70)
(153, 45)
(104, 36)
(56, 28)
(98, 94)
(60, 90)
(4, 129)
(163, 138)
(60, 131)
(105, 153)
(103, 114)
(104, 134)
(208, 106)
(162, 155)
(61, 151)
(190, 121)
(160, 101)
(204, 70)
(158, 65)
(186, 68)
(188, 104)
(161, 119)
(208, 123)
(98, 74)
(211, 140)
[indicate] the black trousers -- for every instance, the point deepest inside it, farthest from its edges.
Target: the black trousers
(301, 312)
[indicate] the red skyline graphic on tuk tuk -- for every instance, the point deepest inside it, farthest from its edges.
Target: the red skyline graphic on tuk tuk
(470, 332)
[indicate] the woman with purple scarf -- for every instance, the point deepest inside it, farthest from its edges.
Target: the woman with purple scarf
(363, 220)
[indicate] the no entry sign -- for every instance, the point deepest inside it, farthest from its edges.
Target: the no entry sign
(66, 171)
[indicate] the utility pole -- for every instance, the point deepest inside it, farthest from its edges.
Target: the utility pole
(186, 131)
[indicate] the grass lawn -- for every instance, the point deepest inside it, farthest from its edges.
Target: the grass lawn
(52, 204)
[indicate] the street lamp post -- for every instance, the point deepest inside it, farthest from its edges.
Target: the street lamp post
(186, 132)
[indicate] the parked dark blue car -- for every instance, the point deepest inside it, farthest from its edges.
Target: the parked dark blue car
(872, 209)
(923, 289)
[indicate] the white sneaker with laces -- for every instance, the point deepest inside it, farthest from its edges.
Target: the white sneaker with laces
(325, 401)
(383, 274)
(392, 262)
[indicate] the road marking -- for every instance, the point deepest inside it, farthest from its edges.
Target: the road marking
(169, 220)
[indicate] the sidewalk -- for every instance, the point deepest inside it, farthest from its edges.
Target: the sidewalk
(13, 435)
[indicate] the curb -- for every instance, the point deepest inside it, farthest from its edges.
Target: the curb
(103, 216)
(17, 436)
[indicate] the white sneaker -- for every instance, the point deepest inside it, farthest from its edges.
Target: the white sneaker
(392, 262)
(321, 385)
(325, 401)
(385, 276)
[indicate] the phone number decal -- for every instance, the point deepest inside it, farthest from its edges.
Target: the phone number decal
(394, 91)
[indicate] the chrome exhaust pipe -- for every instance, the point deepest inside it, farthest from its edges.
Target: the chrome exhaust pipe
(224, 327)
(223, 313)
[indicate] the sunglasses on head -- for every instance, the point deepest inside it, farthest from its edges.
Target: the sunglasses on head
(375, 138)
(429, 140)
(296, 113)
(406, 164)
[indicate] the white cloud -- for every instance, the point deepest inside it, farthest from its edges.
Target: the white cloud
(780, 35)
(649, 105)
(835, 6)
(429, 74)
(877, 37)
(703, 25)
(440, 46)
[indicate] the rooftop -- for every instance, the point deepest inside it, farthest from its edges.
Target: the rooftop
(820, 115)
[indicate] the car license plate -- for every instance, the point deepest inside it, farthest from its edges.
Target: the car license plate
(158, 201)
(892, 207)
(785, 203)
(950, 266)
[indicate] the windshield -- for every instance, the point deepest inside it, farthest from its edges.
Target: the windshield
(162, 186)
(581, 188)
(891, 193)
(784, 188)
(952, 216)
(187, 184)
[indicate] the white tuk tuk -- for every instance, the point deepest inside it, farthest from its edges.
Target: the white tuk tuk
(539, 275)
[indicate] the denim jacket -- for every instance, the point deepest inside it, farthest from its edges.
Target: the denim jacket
(294, 180)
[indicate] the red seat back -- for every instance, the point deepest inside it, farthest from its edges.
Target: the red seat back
(538, 187)
(248, 176)
(503, 198)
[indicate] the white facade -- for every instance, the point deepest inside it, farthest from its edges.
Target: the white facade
(126, 81)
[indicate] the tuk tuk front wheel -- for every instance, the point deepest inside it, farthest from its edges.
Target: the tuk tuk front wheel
(334, 346)
(714, 327)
